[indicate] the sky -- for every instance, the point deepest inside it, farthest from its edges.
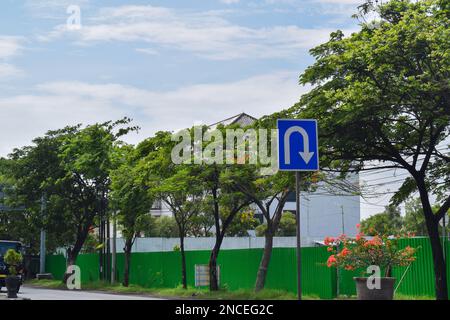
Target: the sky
(166, 64)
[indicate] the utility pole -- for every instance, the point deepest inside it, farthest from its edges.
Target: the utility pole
(43, 237)
(101, 239)
(108, 248)
(114, 250)
(338, 289)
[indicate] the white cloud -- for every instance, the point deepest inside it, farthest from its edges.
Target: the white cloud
(149, 51)
(57, 104)
(230, 1)
(206, 34)
(52, 9)
(39, 6)
(8, 71)
(357, 2)
(9, 46)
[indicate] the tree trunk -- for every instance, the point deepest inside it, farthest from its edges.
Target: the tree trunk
(183, 263)
(272, 227)
(438, 260)
(436, 246)
(72, 253)
(213, 277)
(265, 260)
(126, 269)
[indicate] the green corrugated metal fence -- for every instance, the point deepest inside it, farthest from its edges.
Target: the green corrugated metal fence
(238, 269)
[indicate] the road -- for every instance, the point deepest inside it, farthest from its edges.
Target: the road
(50, 294)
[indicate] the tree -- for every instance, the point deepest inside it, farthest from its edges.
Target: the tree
(133, 200)
(224, 203)
(220, 199)
(201, 225)
(263, 191)
(381, 96)
(388, 222)
(183, 194)
(177, 185)
(287, 226)
(162, 227)
(414, 220)
(242, 223)
(71, 168)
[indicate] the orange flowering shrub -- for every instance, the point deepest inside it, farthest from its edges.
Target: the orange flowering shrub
(360, 252)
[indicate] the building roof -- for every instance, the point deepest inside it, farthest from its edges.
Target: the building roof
(241, 119)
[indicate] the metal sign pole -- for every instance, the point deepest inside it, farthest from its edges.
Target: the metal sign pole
(299, 255)
(300, 153)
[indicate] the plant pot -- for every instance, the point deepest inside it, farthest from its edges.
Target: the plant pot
(12, 285)
(384, 292)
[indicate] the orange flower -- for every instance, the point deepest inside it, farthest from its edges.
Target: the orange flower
(376, 241)
(345, 252)
(358, 226)
(359, 236)
(329, 249)
(331, 261)
(349, 268)
(328, 241)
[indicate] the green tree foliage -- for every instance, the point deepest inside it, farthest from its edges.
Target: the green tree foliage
(242, 223)
(132, 199)
(288, 225)
(177, 185)
(414, 220)
(388, 222)
(162, 227)
(201, 225)
(381, 96)
(71, 168)
(286, 228)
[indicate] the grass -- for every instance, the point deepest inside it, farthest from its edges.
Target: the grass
(179, 292)
(406, 297)
(396, 297)
(196, 293)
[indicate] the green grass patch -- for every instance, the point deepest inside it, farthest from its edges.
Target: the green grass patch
(199, 293)
(179, 292)
(408, 297)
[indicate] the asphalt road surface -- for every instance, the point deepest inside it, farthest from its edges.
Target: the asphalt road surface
(50, 294)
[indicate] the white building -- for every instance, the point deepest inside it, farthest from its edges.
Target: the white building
(327, 211)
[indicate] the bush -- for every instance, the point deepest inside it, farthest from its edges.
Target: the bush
(13, 259)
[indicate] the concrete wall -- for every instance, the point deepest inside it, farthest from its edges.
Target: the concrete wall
(164, 244)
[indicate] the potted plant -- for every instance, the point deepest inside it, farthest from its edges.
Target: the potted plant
(13, 259)
(361, 252)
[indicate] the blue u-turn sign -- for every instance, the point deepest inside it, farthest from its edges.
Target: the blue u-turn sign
(298, 145)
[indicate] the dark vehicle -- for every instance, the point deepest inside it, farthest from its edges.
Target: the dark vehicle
(4, 268)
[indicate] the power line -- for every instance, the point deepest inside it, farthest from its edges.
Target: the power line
(382, 178)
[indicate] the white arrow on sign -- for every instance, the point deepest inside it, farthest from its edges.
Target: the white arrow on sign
(306, 155)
